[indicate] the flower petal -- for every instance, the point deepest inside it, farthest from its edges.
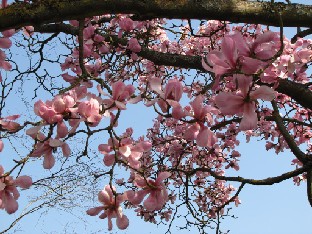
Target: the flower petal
(263, 92)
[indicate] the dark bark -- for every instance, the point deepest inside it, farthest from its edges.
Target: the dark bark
(49, 11)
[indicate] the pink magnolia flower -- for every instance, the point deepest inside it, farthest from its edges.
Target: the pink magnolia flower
(126, 149)
(171, 95)
(126, 24)
(244, 102)
(8, 123)
(203, 135)
(158, 195)
(47, 147)
(90, 110)
(1, 145)
(111, 208)
(8, 191)
(134, 45)
(120, 94)
(238, 55)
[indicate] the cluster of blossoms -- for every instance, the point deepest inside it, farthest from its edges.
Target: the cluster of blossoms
(8, 191)
(195, 134)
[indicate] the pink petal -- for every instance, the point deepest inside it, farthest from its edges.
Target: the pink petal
(1, 145)
(66, 150)
(192, 132)
(62, 129)
(150, 203)
(205, 65)
(197, 105)
(5, 43)
(229, 103)
(249, 120)
(122, 222)
(264, 38)
(109, 159)
(55, 143)
(155, 85)
(229, 50)
(48, 161)
(110, 224)
(220, 67)
(104, 197)
(263, 92)
(250, 65)
(95, 211)
(206, 138)
(136, 197)
(8, 33)
(23, 181)
(10, 204)
(125, 151)
(242, 46)
(162, 176)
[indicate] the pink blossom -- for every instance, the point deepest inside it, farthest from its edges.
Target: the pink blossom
(111, 208)
(8, 123)
(126, 24)
(126, 149)
(158, 195)
(47, 147)
(90, 110)
(120, 94)
(134, 45)
(5, 43)
(237, 55)
(203, 135)
(173, 90)
(243, 102)
(8, 191)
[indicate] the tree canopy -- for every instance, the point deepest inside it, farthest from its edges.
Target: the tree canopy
(209, 73)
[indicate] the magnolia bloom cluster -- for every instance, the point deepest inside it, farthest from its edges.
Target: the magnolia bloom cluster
(8, 191)
(239, 54)
(126, 150)
(46, 147)
(8, 124)
(243, 102)
(111, 208)
(155, 189)
(5, 43)
(157, 198)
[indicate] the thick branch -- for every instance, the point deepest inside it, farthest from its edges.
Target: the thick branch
(48, 11)
(299, 92)
(266, 181)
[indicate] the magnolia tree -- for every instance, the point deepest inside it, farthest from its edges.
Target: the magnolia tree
(207, 71)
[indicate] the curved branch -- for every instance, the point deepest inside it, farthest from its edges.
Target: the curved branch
(288, 138)
(266, 181)
(48, 11)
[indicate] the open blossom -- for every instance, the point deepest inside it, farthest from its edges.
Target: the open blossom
(243, 102)
(134, 45)
(203, 135)
(8, 191)
(171, 95)
(120, 94)
(111, 208)
(126, 149)
(8, 123)
(90, 110)
(156, 189)
(46, 148)
(238, 55)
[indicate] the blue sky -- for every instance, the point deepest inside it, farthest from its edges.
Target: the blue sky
(281, 208)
